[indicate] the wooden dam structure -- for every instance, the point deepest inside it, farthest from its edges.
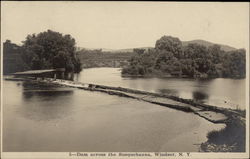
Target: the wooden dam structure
(211, 113)
(58, 73)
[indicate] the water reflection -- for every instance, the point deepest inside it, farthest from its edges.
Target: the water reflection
(200, 96)
(43, 90)
(35, 85)
(43, 102)
(69, 76)
(209, 91)
(169, 92)
(48, 93)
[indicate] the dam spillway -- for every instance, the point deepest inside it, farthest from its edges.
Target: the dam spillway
(210, 113)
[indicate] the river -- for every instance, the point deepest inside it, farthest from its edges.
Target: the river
(223, 92)
(44, 118)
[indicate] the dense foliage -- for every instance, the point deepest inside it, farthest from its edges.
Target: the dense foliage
(169, 57)
(12, 59)
(99, 58)
(51, 50)
(48, 50)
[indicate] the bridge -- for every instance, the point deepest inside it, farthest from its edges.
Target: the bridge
(52, 73)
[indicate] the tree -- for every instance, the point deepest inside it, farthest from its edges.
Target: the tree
(216, 53)
(139, 51)
(170, 44)
(51, 50)
(12, 59)
(194, 51)
(234, 64)
(193, 60)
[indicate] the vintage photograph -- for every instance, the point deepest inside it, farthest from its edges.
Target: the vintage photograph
(121, 77)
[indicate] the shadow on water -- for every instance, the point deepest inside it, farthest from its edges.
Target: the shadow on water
(31, 85)
(35, 89)
(44, 102)
(169, 92)
(200, 96)
(46, 93)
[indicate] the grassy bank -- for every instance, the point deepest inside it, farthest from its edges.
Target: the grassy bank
(230, 139)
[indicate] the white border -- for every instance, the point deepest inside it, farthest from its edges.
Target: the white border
(62, 155)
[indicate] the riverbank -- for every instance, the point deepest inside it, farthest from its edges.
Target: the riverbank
(230, 139)
(165, 75)
(157, 74)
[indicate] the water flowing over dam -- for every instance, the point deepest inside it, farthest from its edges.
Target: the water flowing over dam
(210, 113)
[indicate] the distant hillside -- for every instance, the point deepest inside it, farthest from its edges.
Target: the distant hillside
(104, 57)
(207, 44)
(100, 58)
(184, 43)
(130, 49)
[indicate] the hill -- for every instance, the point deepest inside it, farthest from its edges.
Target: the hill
(104, 57)
(130, 49)
(184, 43)
(207, 44)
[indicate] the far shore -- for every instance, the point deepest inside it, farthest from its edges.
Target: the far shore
(160, 75)
(171, 76)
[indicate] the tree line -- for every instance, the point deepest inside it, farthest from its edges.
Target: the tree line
(169, 57)
(100, 58)
(45, 50)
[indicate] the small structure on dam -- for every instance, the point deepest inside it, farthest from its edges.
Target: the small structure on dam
(58, 73)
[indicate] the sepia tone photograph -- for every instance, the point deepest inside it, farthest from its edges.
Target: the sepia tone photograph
(124, 79)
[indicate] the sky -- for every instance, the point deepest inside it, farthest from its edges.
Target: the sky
(119, 25)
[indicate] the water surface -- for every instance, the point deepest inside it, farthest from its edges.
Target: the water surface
(223, 92)
(42, 118)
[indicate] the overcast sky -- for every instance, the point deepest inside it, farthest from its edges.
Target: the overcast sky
(117, 25)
